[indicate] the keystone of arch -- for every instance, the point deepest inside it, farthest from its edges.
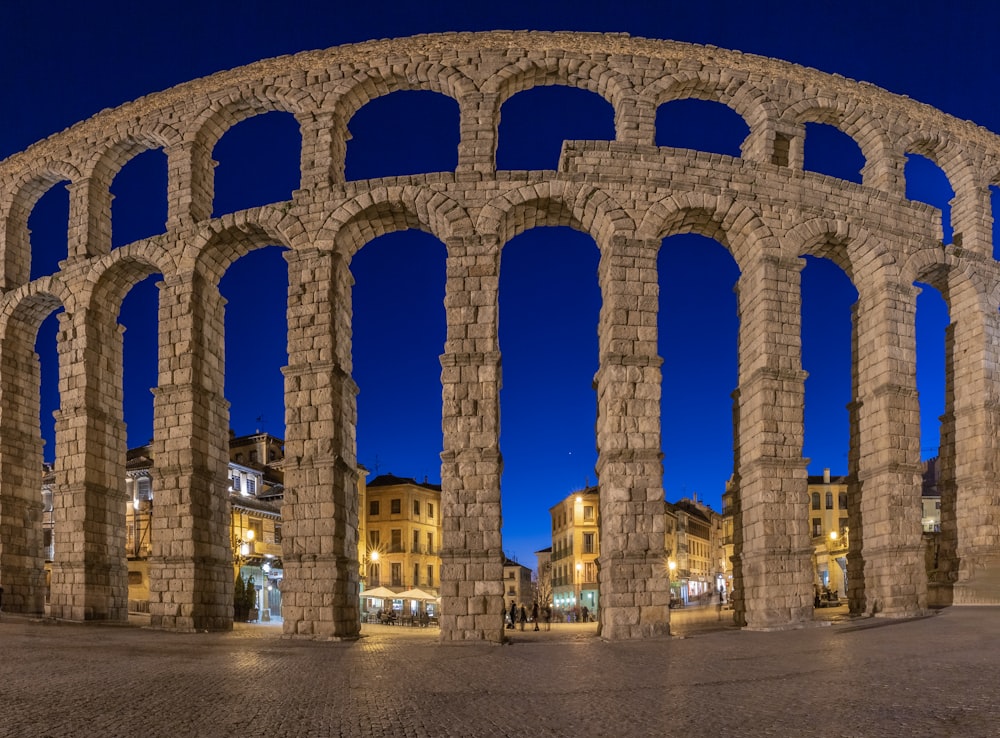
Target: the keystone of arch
(382, 210)
(553, 203)
(733, 224)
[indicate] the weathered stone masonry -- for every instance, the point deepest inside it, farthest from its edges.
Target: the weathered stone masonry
(628, 194)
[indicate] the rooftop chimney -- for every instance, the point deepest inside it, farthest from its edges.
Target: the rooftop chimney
(826, 476)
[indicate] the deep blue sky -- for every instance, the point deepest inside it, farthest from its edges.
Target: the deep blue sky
(61, 62)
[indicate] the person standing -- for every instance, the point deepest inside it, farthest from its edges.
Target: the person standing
(512, 615)
(548, 618)
(534, 615)
(524, 615)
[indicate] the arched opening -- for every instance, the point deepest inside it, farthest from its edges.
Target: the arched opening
(702, 125)
(256, 341)
(828, 297)
(140, 347)
(535, 122)
(830, 151)
(926, 182)
(48, 226)
(698, 329)
(380, 146)
(45, 347)
(550, 304)
(399, 333)
(258, 163)
(139, 198)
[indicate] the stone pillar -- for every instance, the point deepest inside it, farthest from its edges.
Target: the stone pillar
(635, 122)
(970, 515)
(191, 568)
(887, 435)
(89, 218)
(774, 558)
(885, 170)
(324, 151)
(22, 559)
(472, 602)
(632, 574)
(190, 183)
(89, 575)
(972, 224)
(776, 142)
(477, 148)
(320, 511)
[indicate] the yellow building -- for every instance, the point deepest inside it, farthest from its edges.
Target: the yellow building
(575, 549)
(402, 534)
(693, 535)
(829, 530)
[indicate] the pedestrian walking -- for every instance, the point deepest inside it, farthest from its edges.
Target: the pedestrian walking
(512, 615)
(524, 616)
(548, 618)
(534, 615)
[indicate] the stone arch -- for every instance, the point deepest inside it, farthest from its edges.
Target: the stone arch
(582, 207)
(566, 70)
(224, 240)
(733, 224)
(371, 214)
(855, 121)
(16, 210)
(117, 152)
(724, 86)
(850, 247)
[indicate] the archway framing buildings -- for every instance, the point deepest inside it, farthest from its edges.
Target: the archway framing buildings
(628, 194)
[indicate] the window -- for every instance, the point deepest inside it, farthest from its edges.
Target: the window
(373, 507)
(416, 575)
(253, 457)
(430, 543)
(416, 508)
(373, 539)
(395, 506)
(510, 574)
(396, 540)
(374, 575)
(829, 500)
(588, 543)
(589, 572)
(277, 532)
(397, 575)
(251, 486)
(236, 484)
(430, 509)
(842, 500)
(588, 512)
(416, 541)
(842, 524)
(511, 591)
(430, 575)
(257, 526)
(815, 500)
(817, 527)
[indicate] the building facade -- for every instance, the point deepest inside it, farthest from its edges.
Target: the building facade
(517, 584)
(403, 534)
(575, 551)
(695, 550)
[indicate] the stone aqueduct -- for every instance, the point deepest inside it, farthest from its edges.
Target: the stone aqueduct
(628, 194)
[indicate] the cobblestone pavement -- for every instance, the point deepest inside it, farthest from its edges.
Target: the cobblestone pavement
(934, 676)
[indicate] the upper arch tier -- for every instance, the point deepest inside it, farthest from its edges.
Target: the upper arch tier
(323, 89)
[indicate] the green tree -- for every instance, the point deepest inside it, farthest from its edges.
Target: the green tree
(239, 600)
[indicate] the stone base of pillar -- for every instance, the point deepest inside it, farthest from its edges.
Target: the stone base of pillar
(978, 582)
(895, 582)
(23, 591)
(777, 590)
(472, 601)
(189, 596)
(84, 593)
(320, 598)
(635, 597)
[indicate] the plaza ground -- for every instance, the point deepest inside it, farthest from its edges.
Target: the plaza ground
(931, 676)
